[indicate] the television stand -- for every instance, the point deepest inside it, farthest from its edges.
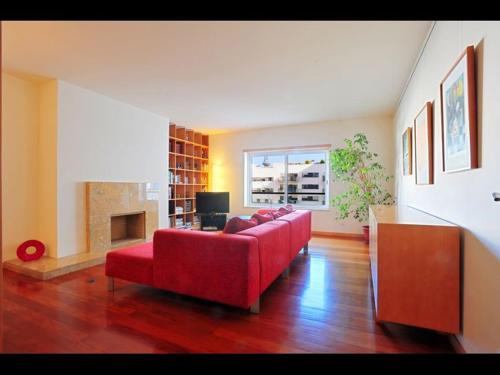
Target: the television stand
(212, 222)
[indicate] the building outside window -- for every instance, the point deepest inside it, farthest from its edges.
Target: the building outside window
(298, 177)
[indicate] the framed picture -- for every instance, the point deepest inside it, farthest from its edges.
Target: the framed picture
(407, 152)
(458, 115)
(422, 130)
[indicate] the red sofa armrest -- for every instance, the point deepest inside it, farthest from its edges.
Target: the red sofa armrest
(214, 266)
(300, 229)
(274, 249)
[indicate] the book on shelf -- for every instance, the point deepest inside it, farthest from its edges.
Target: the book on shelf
(179, 222)
(179, 210)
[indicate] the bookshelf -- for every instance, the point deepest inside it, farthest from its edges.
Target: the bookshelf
(188, 174)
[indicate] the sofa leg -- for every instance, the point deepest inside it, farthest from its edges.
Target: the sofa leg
(255, 308)
(286, 273)
(111, 284)
(306, 249)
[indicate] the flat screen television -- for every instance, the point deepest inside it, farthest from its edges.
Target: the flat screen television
(212, 203)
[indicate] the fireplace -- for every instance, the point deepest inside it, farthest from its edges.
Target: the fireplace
(120, 214)
(127, 229)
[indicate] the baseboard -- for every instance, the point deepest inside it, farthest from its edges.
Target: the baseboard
(455, 343)
(351, 236)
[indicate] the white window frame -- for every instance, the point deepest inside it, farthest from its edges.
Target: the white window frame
(247, 178)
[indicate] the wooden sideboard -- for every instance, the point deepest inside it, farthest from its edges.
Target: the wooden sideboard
(415, 268)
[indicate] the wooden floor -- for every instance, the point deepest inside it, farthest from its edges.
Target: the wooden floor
(326, 305)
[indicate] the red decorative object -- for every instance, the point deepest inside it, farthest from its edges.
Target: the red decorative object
(24, 256)
(366, 233)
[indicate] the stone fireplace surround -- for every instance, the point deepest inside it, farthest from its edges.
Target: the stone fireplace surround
(128, 205)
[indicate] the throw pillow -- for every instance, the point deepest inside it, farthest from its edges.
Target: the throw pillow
(290, 208)
(283, 211)
(237, 224)
(264, 211)
(277, 214)
(261, 219)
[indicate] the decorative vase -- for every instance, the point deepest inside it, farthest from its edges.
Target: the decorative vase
(366, 233)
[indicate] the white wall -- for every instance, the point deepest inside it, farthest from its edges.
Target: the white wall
(20, 117)
(101, 139)
(47, 167)
(227, 164)
(463, 198)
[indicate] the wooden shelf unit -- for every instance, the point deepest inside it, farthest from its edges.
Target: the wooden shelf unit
(188, 172)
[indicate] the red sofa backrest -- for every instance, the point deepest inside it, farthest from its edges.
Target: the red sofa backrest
(213, 266)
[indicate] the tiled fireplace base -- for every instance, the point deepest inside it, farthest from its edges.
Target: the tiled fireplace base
(47, 268)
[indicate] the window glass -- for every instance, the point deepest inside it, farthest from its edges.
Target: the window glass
(267, 173)
(287, 177)
(306, 182)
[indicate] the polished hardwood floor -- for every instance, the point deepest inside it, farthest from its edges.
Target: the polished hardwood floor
(326, 305)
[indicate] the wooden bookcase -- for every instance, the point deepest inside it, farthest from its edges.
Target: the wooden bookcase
(188, 173)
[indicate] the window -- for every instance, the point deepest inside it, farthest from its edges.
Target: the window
(298, 177)
(310, 186)
(311, 174)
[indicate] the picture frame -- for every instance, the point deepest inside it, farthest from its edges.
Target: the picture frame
(458, 115)
(407, 152)
(423, 135)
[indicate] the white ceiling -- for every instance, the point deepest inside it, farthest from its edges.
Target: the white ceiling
(213, 75)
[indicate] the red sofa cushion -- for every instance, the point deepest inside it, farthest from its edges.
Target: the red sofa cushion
(134, 263)
(237, 224)
(274, 249)
(264, 218)
(213, 266)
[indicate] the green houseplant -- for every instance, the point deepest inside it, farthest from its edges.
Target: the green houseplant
(365, 177)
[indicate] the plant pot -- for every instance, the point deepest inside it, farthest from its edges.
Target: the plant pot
(366, 233)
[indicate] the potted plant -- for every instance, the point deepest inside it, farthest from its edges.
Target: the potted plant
(365, 177)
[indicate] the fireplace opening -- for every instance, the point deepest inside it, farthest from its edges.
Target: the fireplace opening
(128, 228)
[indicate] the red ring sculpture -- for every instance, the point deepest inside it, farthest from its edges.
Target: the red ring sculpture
(24, 256)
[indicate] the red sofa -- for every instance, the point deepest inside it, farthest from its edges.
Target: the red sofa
(234, 269)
